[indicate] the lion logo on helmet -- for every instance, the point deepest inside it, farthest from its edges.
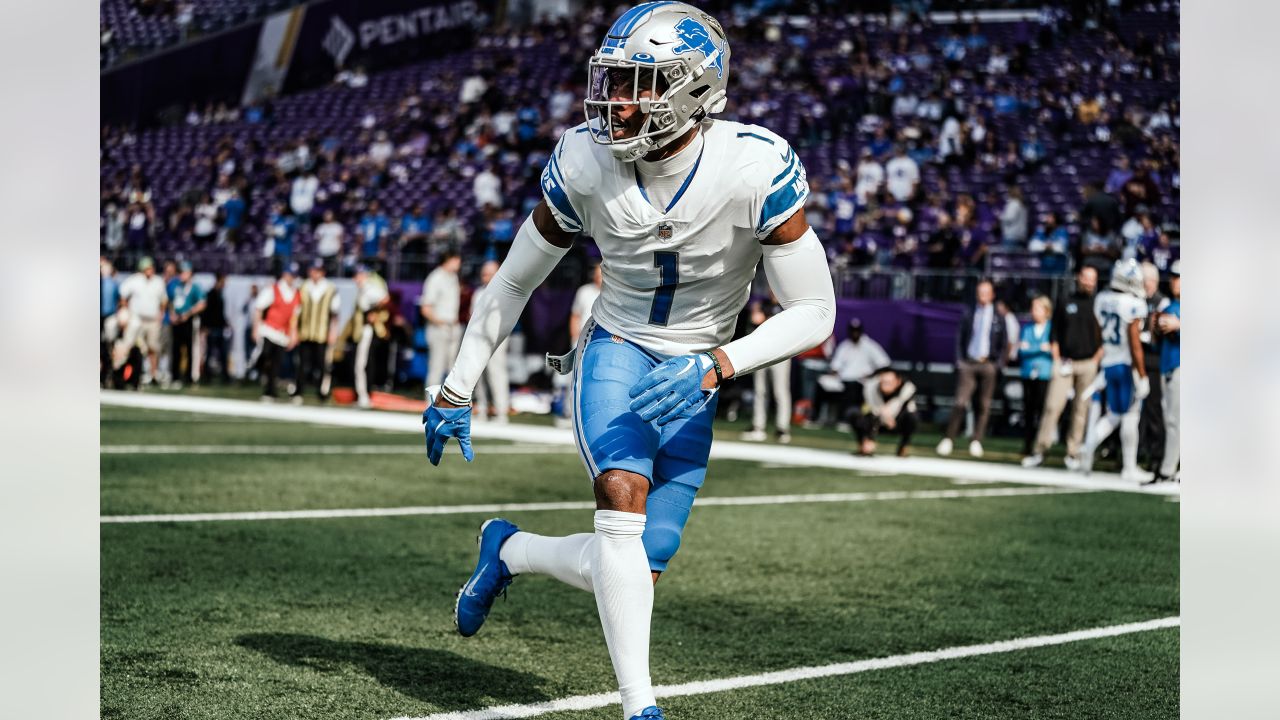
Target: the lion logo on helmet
(694, 37)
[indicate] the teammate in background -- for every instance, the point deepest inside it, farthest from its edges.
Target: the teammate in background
(1123, 379)
(583, 299)
(1169, 325)
(683, 208)
(494, 390)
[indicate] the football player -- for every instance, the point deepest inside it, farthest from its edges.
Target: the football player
(683, 207)
(1123, 381)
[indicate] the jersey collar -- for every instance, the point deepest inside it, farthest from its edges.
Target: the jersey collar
(702, 146)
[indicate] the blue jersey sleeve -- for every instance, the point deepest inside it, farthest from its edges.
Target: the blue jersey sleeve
(780, 184)
(556, 190)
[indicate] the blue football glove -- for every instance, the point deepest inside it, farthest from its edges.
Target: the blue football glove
(671, 388)
(441, 423)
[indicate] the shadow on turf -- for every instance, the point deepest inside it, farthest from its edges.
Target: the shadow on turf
(444, 679)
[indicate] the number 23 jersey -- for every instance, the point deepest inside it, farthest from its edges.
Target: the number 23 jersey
(675, 281)
(1116, 312)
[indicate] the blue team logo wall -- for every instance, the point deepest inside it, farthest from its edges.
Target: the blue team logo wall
(694, 37)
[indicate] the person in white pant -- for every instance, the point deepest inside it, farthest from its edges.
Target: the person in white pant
(441, 296)
(494, 390)
(579, 314)
(148, 299)
(1169, 325)
(371, 296)
(779, 377)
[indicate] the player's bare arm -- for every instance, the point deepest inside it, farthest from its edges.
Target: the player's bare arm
(546, 224)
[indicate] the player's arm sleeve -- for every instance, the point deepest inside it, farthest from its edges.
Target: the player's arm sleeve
(800, 278)
(529, 262)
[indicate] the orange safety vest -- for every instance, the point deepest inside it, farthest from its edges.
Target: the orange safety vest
(281, 311)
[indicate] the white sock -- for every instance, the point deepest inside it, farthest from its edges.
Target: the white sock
(1129, 438)
(567, 559)
(1099, 431)
(624, 596)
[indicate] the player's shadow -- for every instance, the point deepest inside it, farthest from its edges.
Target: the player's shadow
(444, 679)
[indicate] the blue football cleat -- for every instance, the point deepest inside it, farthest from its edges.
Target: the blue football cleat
(653, 712)
(489, 580)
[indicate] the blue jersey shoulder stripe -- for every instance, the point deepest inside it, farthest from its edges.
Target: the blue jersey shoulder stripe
(780, 200)
(793, 161)
(758, 137)
(553, 188)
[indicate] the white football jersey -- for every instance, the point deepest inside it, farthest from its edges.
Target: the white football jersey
(1115, 312)
(675, 281)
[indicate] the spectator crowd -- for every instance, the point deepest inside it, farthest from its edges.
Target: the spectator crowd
(940, 150)
(929, 147)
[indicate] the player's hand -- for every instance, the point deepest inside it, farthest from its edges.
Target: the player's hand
(1143, 387)
(443, 422)
(671, 388)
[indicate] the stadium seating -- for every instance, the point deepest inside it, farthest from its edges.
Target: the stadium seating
(808, 64)
(137, 30)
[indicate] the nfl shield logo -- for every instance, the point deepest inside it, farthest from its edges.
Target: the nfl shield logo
(665, 231)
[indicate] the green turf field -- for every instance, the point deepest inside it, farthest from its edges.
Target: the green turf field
(351, 617)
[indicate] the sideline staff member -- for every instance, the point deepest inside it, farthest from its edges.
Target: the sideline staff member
(1077, 351)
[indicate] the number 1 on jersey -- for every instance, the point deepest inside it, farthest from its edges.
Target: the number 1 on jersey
(668, 264)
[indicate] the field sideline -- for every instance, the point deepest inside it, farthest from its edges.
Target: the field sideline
(721, 449)
(245, 576)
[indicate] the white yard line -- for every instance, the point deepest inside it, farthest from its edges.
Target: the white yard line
(401, 449)
(721, 449)
(704, 687)
(586, 505)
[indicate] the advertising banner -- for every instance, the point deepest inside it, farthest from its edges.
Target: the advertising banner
(350, 33)
(291, 50)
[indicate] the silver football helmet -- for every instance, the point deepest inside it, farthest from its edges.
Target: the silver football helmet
(676, 52)
(1126, 277)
